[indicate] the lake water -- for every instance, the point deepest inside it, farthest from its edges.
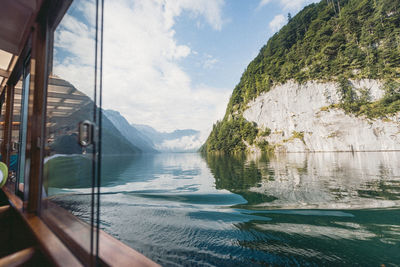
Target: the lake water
(322, 209)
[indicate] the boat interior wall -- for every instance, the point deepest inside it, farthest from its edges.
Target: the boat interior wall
(14, 235)
(25, 240)
(16, 16)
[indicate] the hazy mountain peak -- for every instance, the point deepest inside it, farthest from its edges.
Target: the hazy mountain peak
(149, 139)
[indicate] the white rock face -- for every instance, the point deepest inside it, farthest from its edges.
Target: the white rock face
(294, 107)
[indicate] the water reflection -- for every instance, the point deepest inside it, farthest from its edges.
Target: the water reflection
(331, 209)
(314, 180)
(238, 175)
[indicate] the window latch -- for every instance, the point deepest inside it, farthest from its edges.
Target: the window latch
(86, 129)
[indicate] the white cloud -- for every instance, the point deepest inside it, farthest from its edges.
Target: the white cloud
(288, 5)
(263, 3)
(209, 62)
(296, 5)
(141, 71)
(277, 22)
(184, 144)
(292, 6)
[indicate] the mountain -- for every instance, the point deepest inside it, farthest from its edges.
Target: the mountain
(113, 142)
(149, 140)
(329, 80)
(187, 140)
(63, 137)
(135, 137)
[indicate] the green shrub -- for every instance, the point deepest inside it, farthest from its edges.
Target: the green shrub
(228, 136)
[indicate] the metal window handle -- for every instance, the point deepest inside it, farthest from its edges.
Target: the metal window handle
(86, 133)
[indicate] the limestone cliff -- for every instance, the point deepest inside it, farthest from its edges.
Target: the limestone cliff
(300, 119)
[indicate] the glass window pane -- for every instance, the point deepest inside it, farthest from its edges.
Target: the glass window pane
(2, 119)
(70, 150)
(15, 135)
(23, 110)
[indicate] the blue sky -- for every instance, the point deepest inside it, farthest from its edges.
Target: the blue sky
(170, 64)
(244, 31)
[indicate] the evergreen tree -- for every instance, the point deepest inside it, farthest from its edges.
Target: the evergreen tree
(333, 40)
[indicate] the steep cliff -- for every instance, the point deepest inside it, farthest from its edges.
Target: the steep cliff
(303, 117)
(327, 81)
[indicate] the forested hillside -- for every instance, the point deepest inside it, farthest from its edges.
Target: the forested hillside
(334, 40)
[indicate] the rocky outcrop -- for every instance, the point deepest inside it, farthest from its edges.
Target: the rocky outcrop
(300, 121)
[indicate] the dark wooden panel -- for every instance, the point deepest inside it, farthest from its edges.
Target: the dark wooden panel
(14, 233)
(51, 246)
(8, 122)
(16, 18)
(5, 233)
(13, 20)
(4, 210)
(75, 234)
(37, 113)
(4, 73)
(20, 258)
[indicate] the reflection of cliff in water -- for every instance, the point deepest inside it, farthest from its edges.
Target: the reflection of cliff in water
(314, 180)
(237, 174)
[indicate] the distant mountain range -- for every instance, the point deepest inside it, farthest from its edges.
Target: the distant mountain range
(187, 140)
(149, 140)
(65, 131)
(118, 135)
(135, 137)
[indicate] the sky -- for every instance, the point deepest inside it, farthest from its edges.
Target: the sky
(169, 64)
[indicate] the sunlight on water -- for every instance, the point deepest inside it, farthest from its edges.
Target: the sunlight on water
(293, 209)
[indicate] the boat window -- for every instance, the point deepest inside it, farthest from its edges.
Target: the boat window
(7, 63)
(14, 149)
(2, 116)
(21, 123)
(70, 162)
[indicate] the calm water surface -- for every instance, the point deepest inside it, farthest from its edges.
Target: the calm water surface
(325, 209)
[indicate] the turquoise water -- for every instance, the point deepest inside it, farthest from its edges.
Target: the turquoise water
(330, 209)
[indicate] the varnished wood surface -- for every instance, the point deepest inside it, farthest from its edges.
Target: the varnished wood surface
(14, 233)
(73, 232)
(115, 253)
(4, 73)
(36, 114)
(8, 120)
(16, 18)
(57, 252)
(77, 233)
(5, 233)
(14, 201)
(4, 210)
(20, 258)
(51, 246)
